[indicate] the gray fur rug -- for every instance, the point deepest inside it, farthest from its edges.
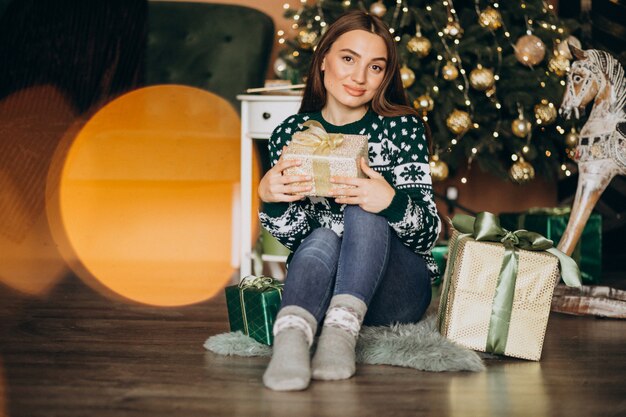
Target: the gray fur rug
(418, 346)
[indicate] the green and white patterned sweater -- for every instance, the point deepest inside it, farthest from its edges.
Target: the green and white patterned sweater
(399, 151)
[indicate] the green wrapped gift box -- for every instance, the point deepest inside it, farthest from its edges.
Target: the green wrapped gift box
(253, 306)
(440, 253)
(551, 223)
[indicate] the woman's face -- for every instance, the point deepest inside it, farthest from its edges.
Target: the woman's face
(354, 68)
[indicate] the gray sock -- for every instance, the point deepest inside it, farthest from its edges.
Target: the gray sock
(335, 355)
(290, 366)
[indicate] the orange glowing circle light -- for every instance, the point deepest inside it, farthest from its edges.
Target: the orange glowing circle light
(147, 195)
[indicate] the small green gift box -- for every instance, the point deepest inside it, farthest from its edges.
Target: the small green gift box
(253, 306)
(551, 223)
(440, 253)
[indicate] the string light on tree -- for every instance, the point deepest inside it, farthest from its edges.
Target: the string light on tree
(280, 66)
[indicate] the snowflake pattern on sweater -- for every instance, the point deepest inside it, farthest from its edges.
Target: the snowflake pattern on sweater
(398, 150)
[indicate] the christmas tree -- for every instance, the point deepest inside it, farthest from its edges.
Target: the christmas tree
(487, 77)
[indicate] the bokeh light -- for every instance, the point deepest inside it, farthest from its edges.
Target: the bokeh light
(147, 194)
(33, 121)
(513, 389)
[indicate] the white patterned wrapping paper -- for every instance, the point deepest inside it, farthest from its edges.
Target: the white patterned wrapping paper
(343, 161)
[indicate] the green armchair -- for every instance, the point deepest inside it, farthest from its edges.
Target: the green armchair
(217, 47)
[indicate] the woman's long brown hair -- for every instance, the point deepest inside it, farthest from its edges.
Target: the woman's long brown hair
(390, 99)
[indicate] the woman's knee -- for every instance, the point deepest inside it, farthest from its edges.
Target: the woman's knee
(364, 219)
(322, 237)
(322, 245)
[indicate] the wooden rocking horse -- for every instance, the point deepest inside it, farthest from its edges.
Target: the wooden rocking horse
(600, 154)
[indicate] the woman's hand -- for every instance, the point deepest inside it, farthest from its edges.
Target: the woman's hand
(276, 187)
(372, 194)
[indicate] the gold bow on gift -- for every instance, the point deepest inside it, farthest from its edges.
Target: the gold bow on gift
(316, 136)
(322, 142)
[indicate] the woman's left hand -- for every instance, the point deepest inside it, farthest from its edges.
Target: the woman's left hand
(372, 194)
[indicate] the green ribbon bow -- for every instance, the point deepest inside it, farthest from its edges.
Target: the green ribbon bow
(261, 284)
(322, 142)
(486, 228)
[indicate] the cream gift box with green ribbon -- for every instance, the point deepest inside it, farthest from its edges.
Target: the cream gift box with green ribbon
(324, 155)
(498, 287)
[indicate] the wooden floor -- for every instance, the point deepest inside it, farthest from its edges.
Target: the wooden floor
(78, 353)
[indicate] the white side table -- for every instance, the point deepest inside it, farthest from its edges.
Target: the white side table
(260, 114)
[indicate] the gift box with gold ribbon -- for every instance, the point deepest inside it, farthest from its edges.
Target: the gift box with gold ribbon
(498, 286)
(253, 305)
(552, 222)
(324, 155)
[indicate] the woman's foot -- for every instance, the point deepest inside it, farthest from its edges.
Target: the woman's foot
(335, 357)
(290, 369)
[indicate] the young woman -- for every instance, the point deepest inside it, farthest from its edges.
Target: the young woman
(363, 256)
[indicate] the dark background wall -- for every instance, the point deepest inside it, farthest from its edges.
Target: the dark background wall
(91, 50)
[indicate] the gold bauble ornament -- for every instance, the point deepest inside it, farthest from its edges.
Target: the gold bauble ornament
(453, 30)
(522, 172)
(419, 45)
(378, 9)
(490, 18)
(571, 139)
(307, 38)
(438, 169)
(459, 122)
(407, 76)
(491, 91)
(558, 64)
(481, 78)
(563, 46)
(521, 127)
(545, 112)
(530, 50)
(424, 103)
(449, 71)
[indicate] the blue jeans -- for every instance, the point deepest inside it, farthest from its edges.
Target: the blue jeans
(369, 262)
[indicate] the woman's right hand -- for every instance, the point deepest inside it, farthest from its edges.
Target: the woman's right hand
(277, 187)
